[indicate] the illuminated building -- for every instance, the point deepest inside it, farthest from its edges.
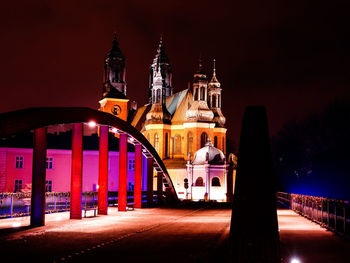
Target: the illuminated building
(176, 124)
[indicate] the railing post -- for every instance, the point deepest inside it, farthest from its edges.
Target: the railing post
(11, 206)
(328, 213)
(321, 210)
(335, 216)
(344, 220)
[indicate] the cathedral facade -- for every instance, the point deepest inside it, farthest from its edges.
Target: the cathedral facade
(177, 124)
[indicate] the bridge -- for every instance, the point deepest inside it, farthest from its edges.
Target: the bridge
(252, 228)
(38, 119)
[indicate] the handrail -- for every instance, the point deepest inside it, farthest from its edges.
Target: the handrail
(332, 214)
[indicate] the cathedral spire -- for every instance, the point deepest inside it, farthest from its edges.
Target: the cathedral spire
(214, 81)
(161, 61)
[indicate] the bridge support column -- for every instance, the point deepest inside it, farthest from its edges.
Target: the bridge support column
(149, 181)
(37, 216)
(138, 176)
(123, 165)
(103, 172)
(77, 171)
(159, 187)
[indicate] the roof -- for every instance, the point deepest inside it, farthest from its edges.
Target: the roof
(177, 104)
(208, 155)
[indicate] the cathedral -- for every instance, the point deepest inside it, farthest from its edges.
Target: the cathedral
(177, 124)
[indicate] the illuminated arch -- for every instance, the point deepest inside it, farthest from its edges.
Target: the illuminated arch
(16, 122)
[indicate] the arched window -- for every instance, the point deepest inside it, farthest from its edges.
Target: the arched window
(166, 143)
(202, 93)
(199, 181)
(156, 142)
(189, 143)
(177, 144)
(204, 138)
(213, 101)
(215, 181)
(158, 95)
(216, 141)
(195, 95)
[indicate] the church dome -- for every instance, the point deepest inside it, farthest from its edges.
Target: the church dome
(209, 154)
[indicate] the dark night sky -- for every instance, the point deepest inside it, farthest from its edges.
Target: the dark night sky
(292, 56)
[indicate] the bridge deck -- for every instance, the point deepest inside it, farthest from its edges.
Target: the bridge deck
(181, 234)
(308, 241)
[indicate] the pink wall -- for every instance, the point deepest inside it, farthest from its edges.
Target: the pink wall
(60, 174)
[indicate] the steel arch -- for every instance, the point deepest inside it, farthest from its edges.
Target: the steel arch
(15, 122)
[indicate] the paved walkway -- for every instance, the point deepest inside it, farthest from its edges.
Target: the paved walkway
(189, 233)
(308, 242)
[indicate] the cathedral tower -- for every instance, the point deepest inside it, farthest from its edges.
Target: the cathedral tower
(114, 98)
(199, 110)
(214, 99)
(162, 60)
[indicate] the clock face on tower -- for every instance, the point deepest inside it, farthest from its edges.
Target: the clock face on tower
(116, 110)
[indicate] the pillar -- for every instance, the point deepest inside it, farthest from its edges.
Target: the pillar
(77, 171)
(159, 187)
(138, 176)
(37, 216)
(149, 181)
(103, 172)
(123, 165)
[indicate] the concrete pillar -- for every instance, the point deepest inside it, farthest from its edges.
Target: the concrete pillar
(123, 177)
(37, 216)
(103, 172)
(138, 176)
(77, 171)
(149, 181)
(159, 187)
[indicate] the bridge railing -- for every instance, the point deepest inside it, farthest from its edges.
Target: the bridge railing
(19, 204)
(330, 213)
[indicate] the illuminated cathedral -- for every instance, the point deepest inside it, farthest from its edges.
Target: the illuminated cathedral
(177, 124)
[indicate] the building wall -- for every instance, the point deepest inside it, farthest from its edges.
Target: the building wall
(60, 174)
(179, 134)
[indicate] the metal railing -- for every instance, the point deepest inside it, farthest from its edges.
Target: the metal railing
(329, 213)
(18, 204)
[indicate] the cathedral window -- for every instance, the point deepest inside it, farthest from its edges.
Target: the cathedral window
(158, 96)
(216, 141)
(215, 181)
(202, 93)
(177, 144)
(189, 143)
(166, 143)
(213, 101)
(199, 181)
(204, 138)
(156, 142)
(195, 95)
